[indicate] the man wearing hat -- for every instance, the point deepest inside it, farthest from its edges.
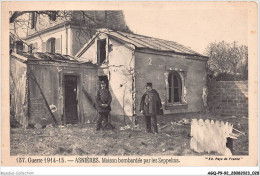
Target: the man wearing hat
(151, 106)
(103, 100)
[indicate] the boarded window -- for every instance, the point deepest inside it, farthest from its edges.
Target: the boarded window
(175, 87)
(101, 54)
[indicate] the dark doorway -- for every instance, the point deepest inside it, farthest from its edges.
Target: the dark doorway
(101, 46)
(104, 78)
(71, 102)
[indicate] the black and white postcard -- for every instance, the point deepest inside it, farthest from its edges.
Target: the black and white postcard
(129, 84)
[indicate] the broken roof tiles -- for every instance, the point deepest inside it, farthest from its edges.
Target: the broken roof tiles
(52, 57)
(49, 57)
(45, 57)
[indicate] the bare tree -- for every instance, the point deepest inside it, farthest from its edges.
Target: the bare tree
(227, 57)
(87, 24)
(20, 22)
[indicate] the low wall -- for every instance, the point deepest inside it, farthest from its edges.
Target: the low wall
(228, 97)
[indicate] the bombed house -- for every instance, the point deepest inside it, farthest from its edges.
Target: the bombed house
(48, 88)
(56, 70)
(38, 62)
(128, 61)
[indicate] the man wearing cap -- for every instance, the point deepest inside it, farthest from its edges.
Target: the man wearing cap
(103, 100)
(151, 106)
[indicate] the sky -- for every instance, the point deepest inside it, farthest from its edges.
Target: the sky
(193, 25)
(194, 28)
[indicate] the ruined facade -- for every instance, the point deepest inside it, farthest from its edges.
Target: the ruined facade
(65, 32)
(128, 61)
(61, 89)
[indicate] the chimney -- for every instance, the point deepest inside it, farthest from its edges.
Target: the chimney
(19, 47)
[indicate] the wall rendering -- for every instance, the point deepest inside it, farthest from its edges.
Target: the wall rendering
(155, 67)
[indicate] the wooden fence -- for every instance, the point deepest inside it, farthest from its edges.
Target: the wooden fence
(211, 136)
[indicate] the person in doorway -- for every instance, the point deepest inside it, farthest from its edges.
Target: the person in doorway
(103, 100)
(151, 106)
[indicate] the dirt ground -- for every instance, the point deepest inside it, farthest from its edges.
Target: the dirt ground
(173, 139)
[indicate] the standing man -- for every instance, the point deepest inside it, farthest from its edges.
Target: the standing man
(103, 100)
(151, 106)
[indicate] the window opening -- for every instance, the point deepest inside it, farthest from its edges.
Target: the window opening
(101, 51)
(51, 45)
(175, 87)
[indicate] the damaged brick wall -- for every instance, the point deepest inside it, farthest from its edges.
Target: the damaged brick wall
(228, 97)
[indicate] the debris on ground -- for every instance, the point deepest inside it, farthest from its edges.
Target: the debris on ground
(49, 126)
(38, 126)
(143, 143)
(240, 132)
(109, 126)
(135, 127)
(167, 135)
(163, 150)
(129, 140)
(183, 121)
(125, 127)
(80, 151)
(165, 126)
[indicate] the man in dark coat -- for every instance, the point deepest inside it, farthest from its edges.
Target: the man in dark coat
(151, 106)
(103, 100)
